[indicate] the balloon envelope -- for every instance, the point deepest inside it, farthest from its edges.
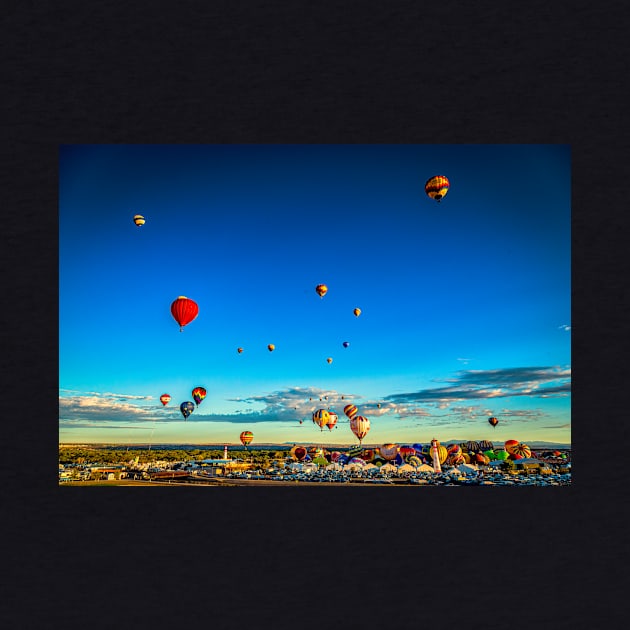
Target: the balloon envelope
(321, 289)
(165, 399)
(346, 344)
(350, 411)
(139, 220)
(321, 417)
(359, 426)
(246, 437)
(271, 347)
(436, 187)
(357, 312)
(184, 311)
(187, 408)
(199, 393)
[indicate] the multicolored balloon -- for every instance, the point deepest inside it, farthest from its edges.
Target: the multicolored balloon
(350, 411)
(184, 311)
(522, 450)
(271, 347)
(493, 421)
(246, 437)
(165, 399)
(360, 427)
(321, 417)
(437, 187)
(357, 312)
(321, 289)
(510, 444)
(187, 408)
(199, 393)
(139, 220)
(239, 350)
(332, 420)
(329, 360)
(389, 451)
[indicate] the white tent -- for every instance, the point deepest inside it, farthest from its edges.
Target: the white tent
(369, 466)
(406, 468)
(388, 468)
(425, 468)
(334, 466)
(468, 469)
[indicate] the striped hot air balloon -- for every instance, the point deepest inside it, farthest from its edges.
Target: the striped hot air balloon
(485, 445)
(414, 460)
(437, 187)
(321, 417)
(271, 347)
(522, 450)
(510, 444)
(139, 220)
(246, 437)
(357, 312)
(360, 427)
(350, 411)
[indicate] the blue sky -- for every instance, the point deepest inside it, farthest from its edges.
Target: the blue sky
(466, 304)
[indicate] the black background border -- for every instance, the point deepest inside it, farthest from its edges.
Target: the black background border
(347, 72)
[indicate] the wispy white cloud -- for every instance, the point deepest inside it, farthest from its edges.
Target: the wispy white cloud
(564, 327)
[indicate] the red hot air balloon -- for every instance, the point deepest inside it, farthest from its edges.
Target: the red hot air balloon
(184, 311)
(199, 393)
(332, 420)
(493, 421)
(246, 437)
(165, 399)
(321, 289)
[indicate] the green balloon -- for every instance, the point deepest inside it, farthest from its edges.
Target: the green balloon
(490, 454)
(502, 455)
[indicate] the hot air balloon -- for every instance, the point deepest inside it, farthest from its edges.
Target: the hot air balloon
(321, 417)
(360, 427)
(346, 344)
(407, 451)
(522, 450)
(138, 220)
(165, 399)
(321, 289)
(510, 444)
(357, 312)
(389, 451)
(199, 393)
(328, 360)
(271, 347)
(350, 411)
(184, 311)
(299, 452)
(246, 437)
(239, 350)
(332, 420)
(493, 421)
(485, 445)
(187, 408)
(437, 187)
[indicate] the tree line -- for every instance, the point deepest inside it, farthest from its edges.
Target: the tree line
(84, 455)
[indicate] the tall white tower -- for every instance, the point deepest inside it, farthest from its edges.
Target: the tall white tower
(225, 452)
(435, 456)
